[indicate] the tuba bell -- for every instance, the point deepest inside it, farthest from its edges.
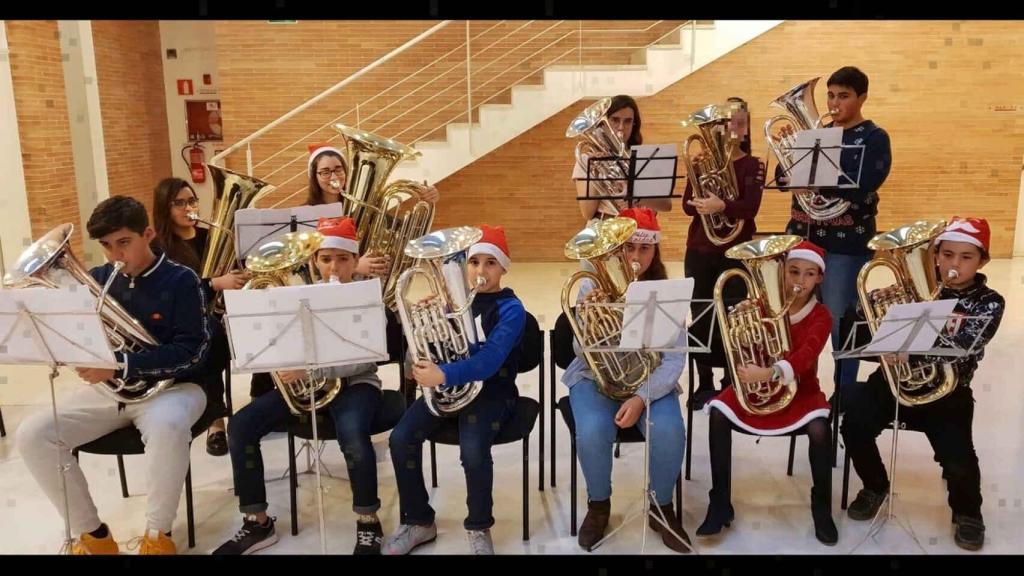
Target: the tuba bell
(599, 140)
(49, 263)
(618, 375)
(285, 261)
(387, 216)
(440, 327)
(710, 169)
(802, 114)
(757, 330)
(909, 253)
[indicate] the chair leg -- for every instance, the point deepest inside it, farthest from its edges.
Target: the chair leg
(572, 485)
(433, 464)
(540, 439)
(227, 392)
(689, 418)
(120, 472)
(679, 497)
(554, 402)
(792, 452)
(836, 407)
(293, 485)
(190, 517)
(3, 430)
(526, 488)
(618, 446)
(846, 480)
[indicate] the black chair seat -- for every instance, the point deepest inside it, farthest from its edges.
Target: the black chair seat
(516, 429)
(392, 407)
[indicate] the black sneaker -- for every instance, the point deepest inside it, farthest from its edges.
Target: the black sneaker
(216, 443)
(252, 537)
(970, 532)
(369, 536)
(865, 505)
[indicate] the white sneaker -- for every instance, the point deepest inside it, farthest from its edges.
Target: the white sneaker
(480, 542)
(407, 537)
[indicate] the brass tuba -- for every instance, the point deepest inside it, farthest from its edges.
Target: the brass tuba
(909, 253)
(49, 263)
(803, 115)
(710, 170)
(285, 261)
(387, 216)
(757, 330)
(618, 374)
(440, 327)
(599, 140)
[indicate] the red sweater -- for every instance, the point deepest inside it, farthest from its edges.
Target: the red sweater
(750, 178)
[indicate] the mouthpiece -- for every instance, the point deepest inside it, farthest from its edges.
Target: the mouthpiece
(335, 184)
(333, 280)
(952, 274)
(193, 216)
(480, 281)
(118, 265)
(635, 266)
(798, 289)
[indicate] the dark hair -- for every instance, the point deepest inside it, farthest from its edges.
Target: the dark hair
(745, 145)
(316, 195)
(850, 76)
(622, 101)
(174, 246)
(984, 253)
(656, 271)
(115, 213)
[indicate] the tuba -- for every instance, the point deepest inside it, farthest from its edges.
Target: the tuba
(600, 140)
(441, 328)
(803, 115)
(711, 171)
(232, 191)
(757, 330)
(285, 261)
(618, 374)
(909, 253)
(388, 216)
(49, 263)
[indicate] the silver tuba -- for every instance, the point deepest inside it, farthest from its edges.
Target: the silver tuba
(798, 102)
(599, 140)
(439, 326)
(49, 263)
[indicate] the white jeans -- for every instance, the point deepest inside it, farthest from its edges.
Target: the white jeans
(165, 422)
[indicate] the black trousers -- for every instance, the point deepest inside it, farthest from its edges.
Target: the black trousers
(705, 268)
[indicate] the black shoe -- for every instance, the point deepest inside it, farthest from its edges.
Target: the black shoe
(821, 511)
(718, 516)
(970, 532)
(216, 443)
(700, 397)
(252, 537)
(680, 544)
(865, 505)
(369, 536)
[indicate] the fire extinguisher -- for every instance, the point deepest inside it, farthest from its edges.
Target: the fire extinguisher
(196, 162)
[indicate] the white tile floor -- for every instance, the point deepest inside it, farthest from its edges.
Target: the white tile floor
(773, 514)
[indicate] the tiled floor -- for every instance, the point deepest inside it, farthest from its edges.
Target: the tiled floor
(772, 510)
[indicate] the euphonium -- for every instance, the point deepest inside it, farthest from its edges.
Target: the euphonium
(598, 139)
(909, 253)
(757, 330)
(285, 261)
(439, 326)
(710, 169)
(49, 263)
(803, 115)
(618, 374)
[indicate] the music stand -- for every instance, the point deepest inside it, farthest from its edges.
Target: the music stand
(54, 327)
(917, 329)
(650, 324)
(814, 173)
(649, 173)
(292, 327)
(254, 226)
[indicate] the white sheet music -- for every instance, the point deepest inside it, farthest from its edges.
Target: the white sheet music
(254, 226)
(654, 161)
(895, 332)
(668, 319)
(826, 172)
(67, 320)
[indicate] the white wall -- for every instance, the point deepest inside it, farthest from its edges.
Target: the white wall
(16, 232)
(197, 55)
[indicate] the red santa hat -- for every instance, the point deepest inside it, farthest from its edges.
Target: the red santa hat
(339, 233)
(493, 243)
(810, 252)
(971, 230)
(321, 147)
(647, 229)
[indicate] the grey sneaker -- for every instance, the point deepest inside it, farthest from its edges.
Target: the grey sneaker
(480, 542)
(407, 537)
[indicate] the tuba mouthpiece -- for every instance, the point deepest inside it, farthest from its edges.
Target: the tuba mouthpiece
(952, 274)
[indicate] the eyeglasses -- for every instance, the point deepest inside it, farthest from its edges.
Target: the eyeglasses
(326, 172)
(182, 202)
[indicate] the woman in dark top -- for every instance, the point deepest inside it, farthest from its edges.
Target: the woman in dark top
(183, 242)
(705, 261)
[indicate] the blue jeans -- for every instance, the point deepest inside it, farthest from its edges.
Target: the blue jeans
(353, 412)
(594, 414)
(839, 290)
(479, 425)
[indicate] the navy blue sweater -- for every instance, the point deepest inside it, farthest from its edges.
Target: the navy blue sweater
(495, 359)
(169, 301)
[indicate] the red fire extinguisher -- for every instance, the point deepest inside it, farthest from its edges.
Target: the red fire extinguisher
(196, 162)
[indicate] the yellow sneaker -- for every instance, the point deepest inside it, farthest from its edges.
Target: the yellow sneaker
(90, 545)
(157, 544)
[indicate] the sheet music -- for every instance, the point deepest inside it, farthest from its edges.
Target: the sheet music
(826, 172)
(895, 332)
(668, 319)
(69, 324)
(657, 161)
(254, 226)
